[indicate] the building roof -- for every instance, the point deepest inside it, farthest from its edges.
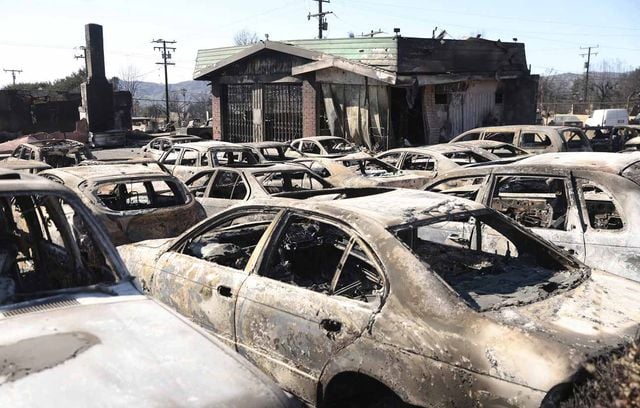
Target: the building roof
(384, 58)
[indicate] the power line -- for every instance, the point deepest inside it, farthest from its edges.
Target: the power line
(322, 20)
(13, 73)
(165, 56)
(586, 65)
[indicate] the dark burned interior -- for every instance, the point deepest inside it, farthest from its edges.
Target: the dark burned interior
(134, 195)
(532, 201)
(306, 252)
(489, 263)
(370, 167)
(41, 253)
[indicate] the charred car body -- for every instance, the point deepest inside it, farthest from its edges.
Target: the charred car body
(362, 170)
(185, 160)
(156, 148)
(218, 189)
(75, 331)
(533, 139)
(585, 203)
(274, 152)
(56, 153)
(378, 300)
(134, 202)
(324, 146)
(429, 161)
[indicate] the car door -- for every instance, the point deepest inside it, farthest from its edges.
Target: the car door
(201, 275)
(170, 158)
(419, 163)
(187, 164)
(226, 188)
(609, 238)
(544, 203)
(314, 291)
(537, 142)
(392, 158)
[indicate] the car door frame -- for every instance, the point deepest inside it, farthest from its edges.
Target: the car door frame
(209, 203)
(570, 239)
(289, 375)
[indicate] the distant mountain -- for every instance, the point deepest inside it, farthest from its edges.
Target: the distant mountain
(149, 92)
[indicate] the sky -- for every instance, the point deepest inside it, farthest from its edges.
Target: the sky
(42, 37)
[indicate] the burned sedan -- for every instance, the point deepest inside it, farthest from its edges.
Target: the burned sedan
(275, 152)
(324, 146)
(405, 296)
(429, 161)
(156, 148)
(135, 202)
(218, 189)
(54, 152)
(587, 203)
(362, 170)
(185, 160)
(75, 331)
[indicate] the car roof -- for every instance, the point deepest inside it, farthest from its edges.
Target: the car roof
(481, 144)
(320, 138)
(178, 137)
(391, 208)
(259, 145)
(593, 161)
(54, 143)
(15, 181)
(507, 128)
(104, 172)
(442, 148)
(211, 144)
(23, 164)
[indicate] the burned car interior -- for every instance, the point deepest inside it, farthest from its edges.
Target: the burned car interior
(276, 182)
(601, 208)
(535, 202)
(370, 167)
(140, 195)
(322, 257)
(489, 262)
(305, 252)
(41, 253)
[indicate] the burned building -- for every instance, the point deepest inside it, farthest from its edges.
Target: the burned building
(378, 92)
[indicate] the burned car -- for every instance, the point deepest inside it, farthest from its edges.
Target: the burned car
(54, 152)
(134, 202)
(585, 203)
(501, 149)
(362, 170)
(24, 165)
(223, 187)
(324, 146)
(429, 161)
(533, 139)
(156, 148)
(274, 152)
(401, 297)
(185, 160)
(76, 331)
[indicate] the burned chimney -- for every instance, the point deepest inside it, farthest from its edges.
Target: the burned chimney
(97, 92)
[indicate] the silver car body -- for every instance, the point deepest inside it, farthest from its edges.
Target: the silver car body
(586, 203)
(104, 344)
(324, 146)
(156, 147)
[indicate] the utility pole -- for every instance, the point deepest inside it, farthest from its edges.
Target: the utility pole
(13, 73)
(165, 56)
(587, 65)
(322, 21)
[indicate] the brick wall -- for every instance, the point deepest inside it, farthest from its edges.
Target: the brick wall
(309, 111)
(216, 112)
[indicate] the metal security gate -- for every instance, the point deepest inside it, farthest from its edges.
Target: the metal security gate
(238, 115)
(258, 112)
(283, 112)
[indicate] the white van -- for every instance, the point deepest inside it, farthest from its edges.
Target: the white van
(608, 117)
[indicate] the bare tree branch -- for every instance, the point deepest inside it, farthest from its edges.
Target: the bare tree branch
(245, 37)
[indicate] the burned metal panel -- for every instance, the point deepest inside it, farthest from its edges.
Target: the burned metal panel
(433, 56)
(519, 100)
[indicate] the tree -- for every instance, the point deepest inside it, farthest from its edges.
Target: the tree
(130, 80)
(245, 37)
(70, 83)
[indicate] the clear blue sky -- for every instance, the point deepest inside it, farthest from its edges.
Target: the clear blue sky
(39, 36)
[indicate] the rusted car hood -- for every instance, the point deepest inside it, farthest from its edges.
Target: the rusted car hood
(602, 312)
(120, 350)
